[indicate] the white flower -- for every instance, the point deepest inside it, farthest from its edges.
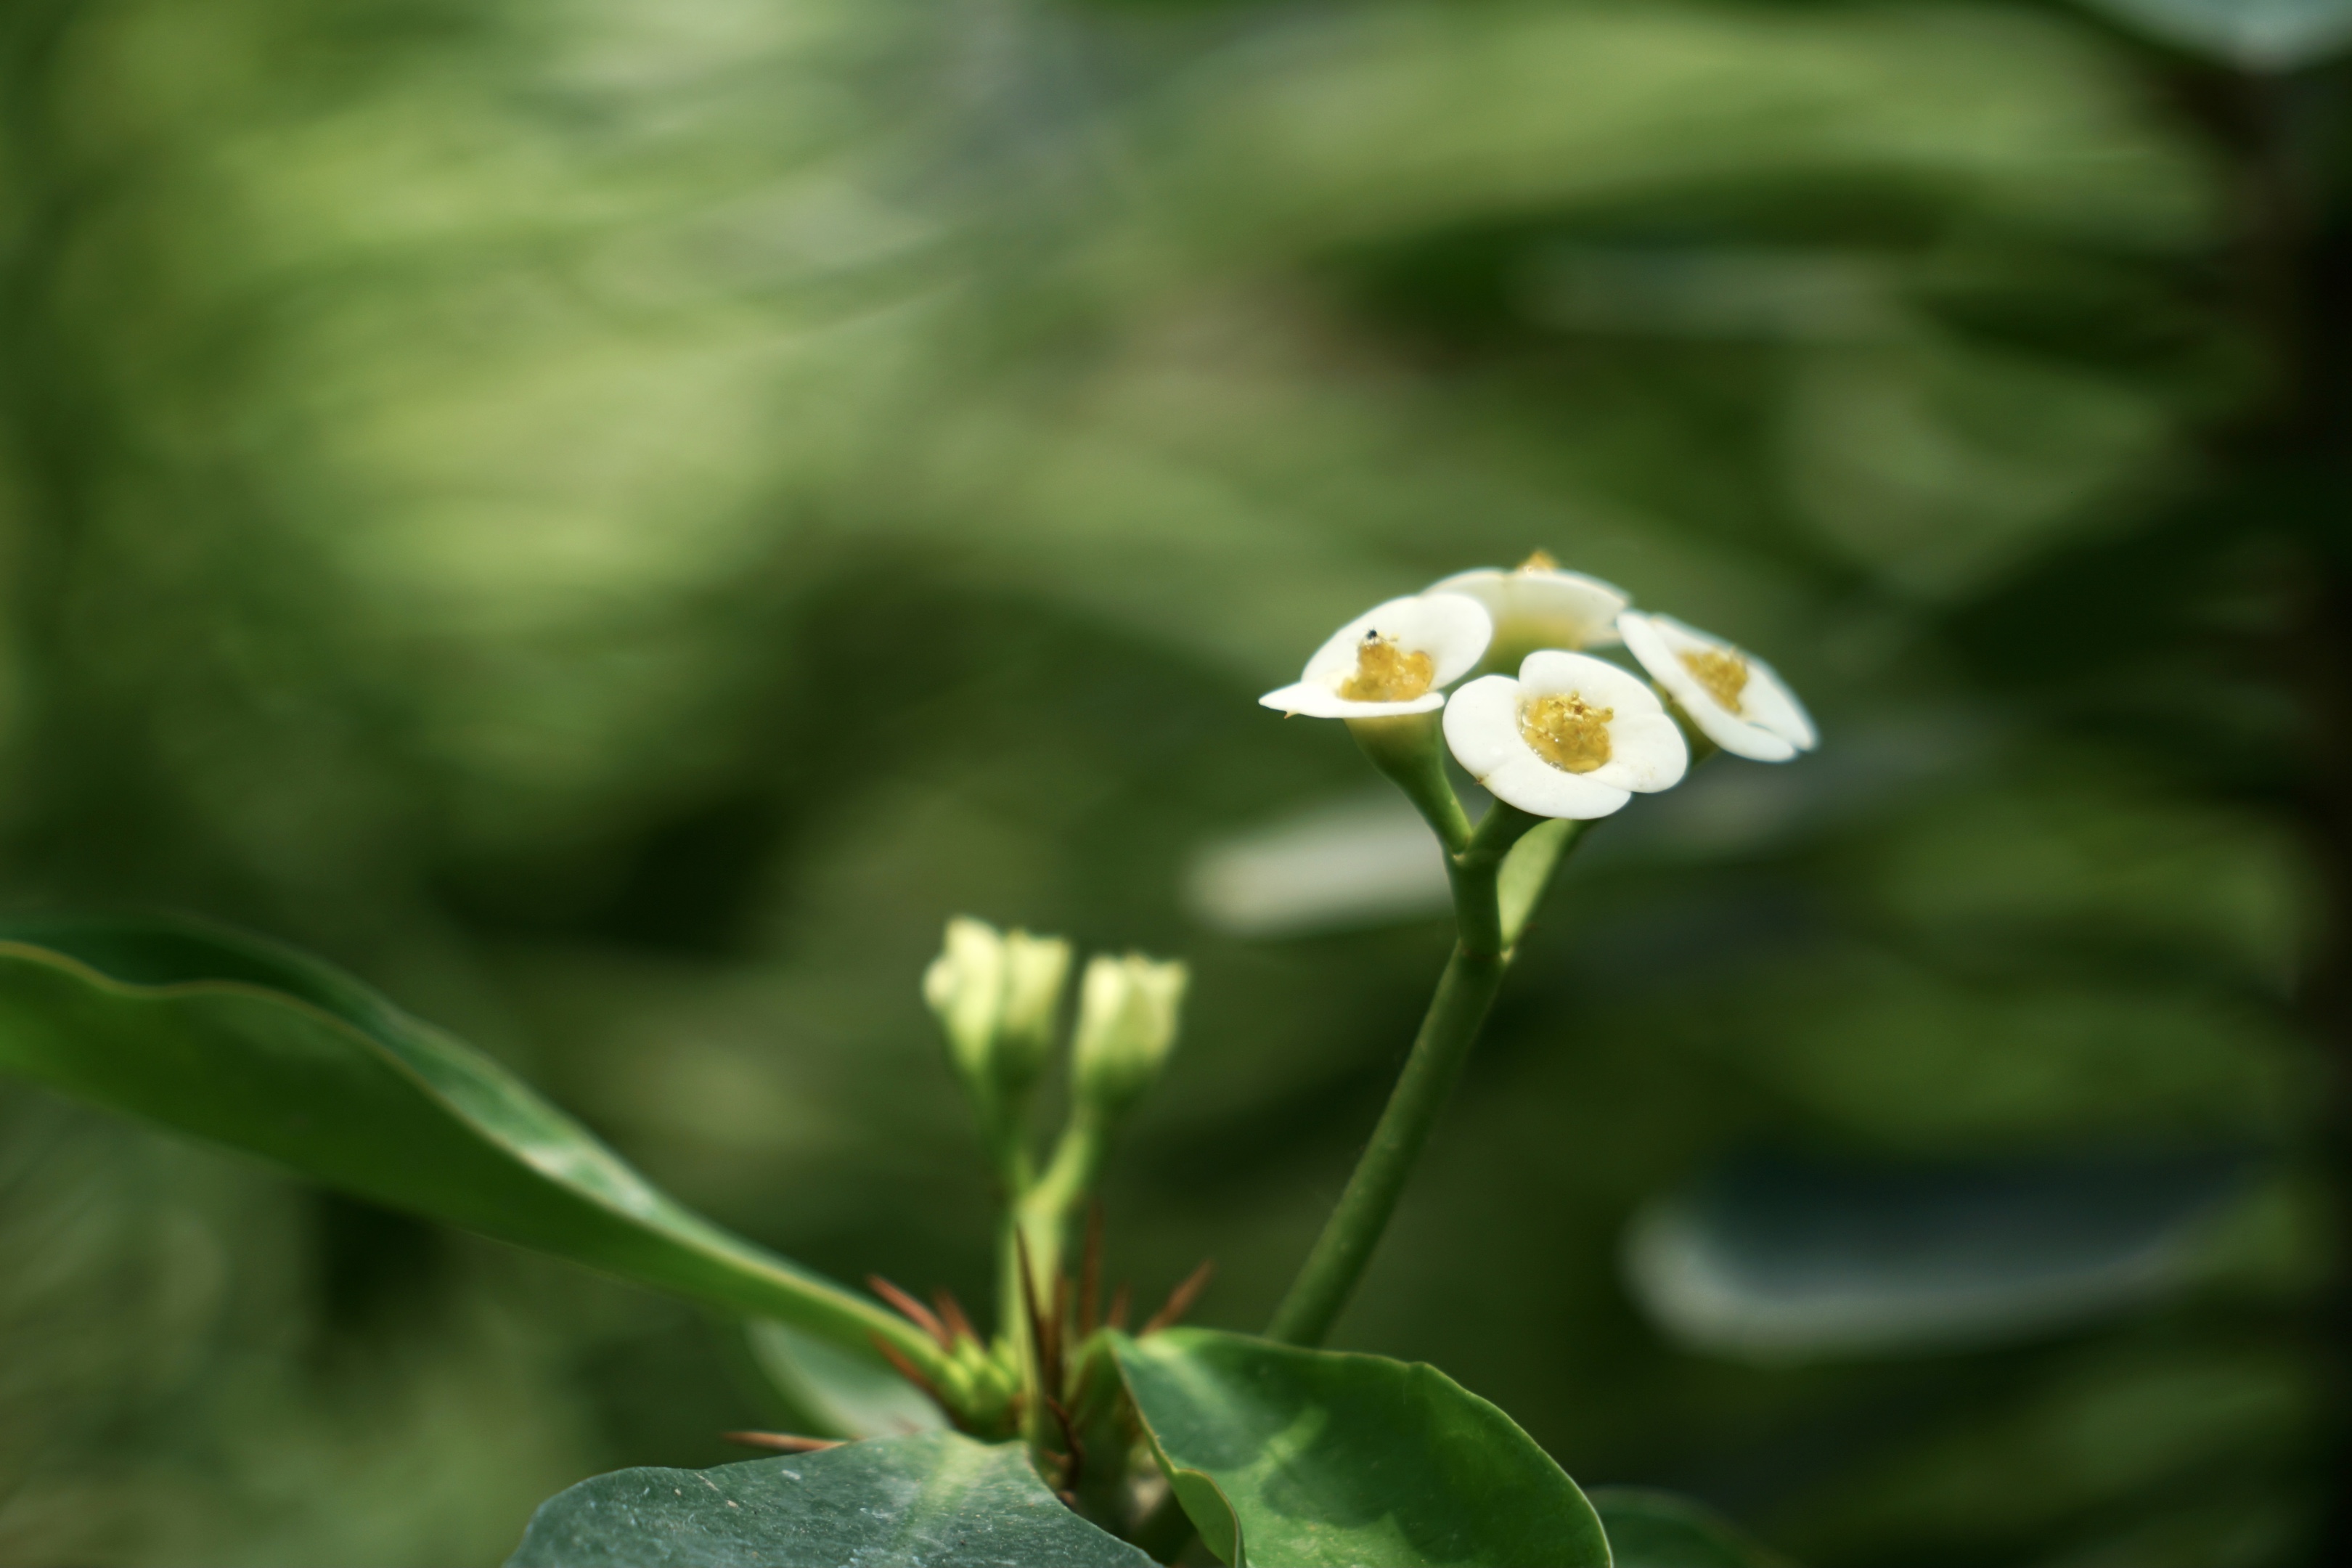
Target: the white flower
(1734, 698)
(1538, 606)
(1573, 736)
(1391, 659)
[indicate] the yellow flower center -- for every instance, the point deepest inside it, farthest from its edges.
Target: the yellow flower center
(1387, 673)
(1569, 732)
(1721, 671)
(1539, 561)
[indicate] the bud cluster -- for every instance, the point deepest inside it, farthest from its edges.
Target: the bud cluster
(998, 996)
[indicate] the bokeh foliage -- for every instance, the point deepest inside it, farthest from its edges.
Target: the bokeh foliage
(613, 519)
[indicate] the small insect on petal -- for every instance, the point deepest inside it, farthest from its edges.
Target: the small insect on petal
(1391, 661)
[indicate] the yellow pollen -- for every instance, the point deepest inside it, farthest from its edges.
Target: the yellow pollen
(1569, 732)
(1387, 673)
(1539, 561)
(1723, 672)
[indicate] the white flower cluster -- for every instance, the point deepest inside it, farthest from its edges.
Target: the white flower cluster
(1569, 735)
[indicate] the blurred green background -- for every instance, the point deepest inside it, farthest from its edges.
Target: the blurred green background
(613, 518)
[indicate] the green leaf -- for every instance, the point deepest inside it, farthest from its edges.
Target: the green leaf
(932, 1499)
(251, 1045)
(1297, 1456)
(833, 1394)
(1658, 1530)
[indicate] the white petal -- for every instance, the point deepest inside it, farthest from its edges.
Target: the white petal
(1598, 681)
(1483, 584)
(1768, 702)
(1542, 608)
(1533, 784)
(1315, 701)
(1742, 739)
(1451, 629)
(1646, 753)
(1659, 642)
(1482, 724)
(1482, 728)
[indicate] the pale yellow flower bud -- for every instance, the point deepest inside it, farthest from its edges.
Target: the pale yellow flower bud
(1035, 970)
(965, 986)
(1127, 1025)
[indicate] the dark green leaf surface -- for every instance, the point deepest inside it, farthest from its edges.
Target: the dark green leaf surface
(1290, 1456)
(932, 1499)
(1659, 1529)
(247, 1043)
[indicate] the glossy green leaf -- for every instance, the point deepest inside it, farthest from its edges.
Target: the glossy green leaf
(931, 1500)
(247, 1043)
(1659, 1529)
(1284, 1456)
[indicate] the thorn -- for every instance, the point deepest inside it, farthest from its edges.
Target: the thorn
(913, 1310)
(1062, 1310)
(1179, 1300)
(1120, 1300)
(1077, 1457)
(781, 1442)
(1090, 1271)
(1029, 1302)
(952, 1314)
(914, 1374)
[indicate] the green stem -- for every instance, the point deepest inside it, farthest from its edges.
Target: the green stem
(1494, 890)
(1341, 1253)
(1038, 1218)
(1407, 751)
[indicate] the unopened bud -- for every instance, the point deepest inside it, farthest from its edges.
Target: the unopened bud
(996, 995)
(1127, 1025)
(965, 986)
(1035, 970)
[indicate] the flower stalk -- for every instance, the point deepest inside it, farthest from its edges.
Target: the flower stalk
(1568, 740)
(1498, 874)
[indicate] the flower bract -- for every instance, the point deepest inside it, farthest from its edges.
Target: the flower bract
(1573, 736)
(1394, 658)
(1537, 606)
(1734, 698)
